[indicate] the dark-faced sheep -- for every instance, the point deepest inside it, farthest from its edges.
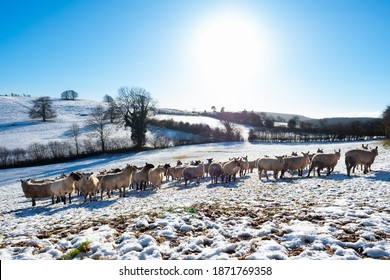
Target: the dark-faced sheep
(140, 177)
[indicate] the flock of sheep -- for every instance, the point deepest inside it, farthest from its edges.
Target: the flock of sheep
(89, 184)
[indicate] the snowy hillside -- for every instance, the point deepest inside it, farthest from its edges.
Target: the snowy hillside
(17, 130)
(332, 217)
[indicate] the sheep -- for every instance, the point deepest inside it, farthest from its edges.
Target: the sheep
(230, 169)
(207, 165)
(116, 181)
(155, 177)
(88, 185)
(252, 165)
(321, 161)
(177, 172)
(193, 172)
(166, 172)
(36, 190)
(274, 164)
(295, 163)
(65, 186)
(215, 171)
(361, 165)
(357, 156)
(140, 177)
(244, 165)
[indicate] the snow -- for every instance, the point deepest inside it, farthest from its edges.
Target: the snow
(332, 217)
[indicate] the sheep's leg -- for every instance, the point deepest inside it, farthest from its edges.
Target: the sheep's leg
(70, 198)
(52, 199)
(33, 202)
(318, 172)
(310, 169)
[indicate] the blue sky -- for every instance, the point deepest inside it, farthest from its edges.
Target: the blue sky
(315, 58)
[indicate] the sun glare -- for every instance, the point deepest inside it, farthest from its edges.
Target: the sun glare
(228, 50)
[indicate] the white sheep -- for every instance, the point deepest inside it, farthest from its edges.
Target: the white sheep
(244, 165)
(252, 165)
(116, 181)
(357, 156)
(65, 186)
(230, 169)
(36, 190)
(270, 164)
(193, 172)
(155, 177)
(88, 185)
(321, 161)
(295, 163)
(177, 172)
(215, 171)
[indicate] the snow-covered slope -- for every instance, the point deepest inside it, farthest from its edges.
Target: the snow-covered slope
(332, 217)
(17, 130)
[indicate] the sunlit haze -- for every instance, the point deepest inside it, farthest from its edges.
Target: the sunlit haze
(312, 58)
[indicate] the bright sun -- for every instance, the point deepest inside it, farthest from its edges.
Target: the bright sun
(228, 49)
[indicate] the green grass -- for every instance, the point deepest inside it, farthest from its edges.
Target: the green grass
(71, 255)
(84, 247)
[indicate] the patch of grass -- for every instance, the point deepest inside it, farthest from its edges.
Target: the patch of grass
(84, 247)
(189, 209)
(71, 255)
(386, 143)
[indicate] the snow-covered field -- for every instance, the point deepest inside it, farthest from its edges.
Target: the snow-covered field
(17, 130)
(332, 217)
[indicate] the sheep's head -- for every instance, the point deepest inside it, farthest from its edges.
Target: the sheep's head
(337, 153)
(306, 155)
(280, 159)
(75, 176)
(149, 166)
(87, 176)
(320, 150)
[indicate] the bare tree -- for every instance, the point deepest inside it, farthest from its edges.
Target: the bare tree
(42, 108)
(135, 105)
(98, 123)
(75, 135)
